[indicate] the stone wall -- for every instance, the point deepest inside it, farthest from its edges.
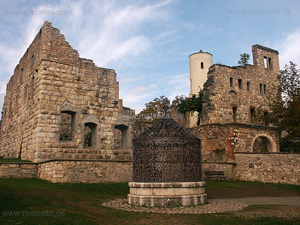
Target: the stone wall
(269, 167)
(49, 81)
(73, 171)
(220, 142)
(232, 94)
(18, 170)
(70, 171)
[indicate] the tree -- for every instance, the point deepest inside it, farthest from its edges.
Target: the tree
(244, 59)
(285, 108)
(154, 109)
(192, 104)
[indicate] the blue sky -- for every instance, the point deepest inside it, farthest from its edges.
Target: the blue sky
(148, 43)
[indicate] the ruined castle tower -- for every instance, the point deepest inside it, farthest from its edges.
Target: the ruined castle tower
(58, 105)
(232, 95)
(199, 66)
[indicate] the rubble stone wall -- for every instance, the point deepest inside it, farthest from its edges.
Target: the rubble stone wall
(269, 167)
(49, 80)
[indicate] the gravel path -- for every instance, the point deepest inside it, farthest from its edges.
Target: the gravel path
(213, 206)
(294, 201)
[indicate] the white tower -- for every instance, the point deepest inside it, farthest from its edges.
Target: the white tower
(199, 66)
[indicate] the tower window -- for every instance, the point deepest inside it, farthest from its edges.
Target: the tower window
(270, 64)
(265, 62)
(231, 82)
(261, 88)
(234, 114)
(265, 89)
(248, 86)
(21, 75)
(202, 65)
(240, 83)
(32, 57)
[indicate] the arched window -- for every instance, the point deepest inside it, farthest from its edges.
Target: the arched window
(121, 137)
(67, 125)
(90, 134)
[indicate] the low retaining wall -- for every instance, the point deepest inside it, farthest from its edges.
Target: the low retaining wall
(18, 170)
(268, 167)
(227, 168)
(70, 171)
(85, 171)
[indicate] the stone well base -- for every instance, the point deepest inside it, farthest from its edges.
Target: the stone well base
(167, 194)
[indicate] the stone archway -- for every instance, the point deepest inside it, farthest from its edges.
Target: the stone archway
(263, 144)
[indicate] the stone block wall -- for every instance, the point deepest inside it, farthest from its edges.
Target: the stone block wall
(221, 142)
(18, 170)
(232, 94)
(268, 168)
(70, 171)
(51, 79)
(85, 171)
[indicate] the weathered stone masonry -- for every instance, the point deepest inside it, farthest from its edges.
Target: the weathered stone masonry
(231, 97)
(53, 88)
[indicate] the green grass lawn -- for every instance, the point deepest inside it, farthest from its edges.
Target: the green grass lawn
(2, 159)
(34, 201)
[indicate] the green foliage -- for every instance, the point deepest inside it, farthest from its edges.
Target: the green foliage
(244, 59)
(285, 108)
(154, 107)
(193, 104)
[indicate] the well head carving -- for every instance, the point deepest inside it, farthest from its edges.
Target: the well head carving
(166, 152)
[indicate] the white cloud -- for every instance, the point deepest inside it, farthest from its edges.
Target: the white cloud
(180, 84)
(289, 49)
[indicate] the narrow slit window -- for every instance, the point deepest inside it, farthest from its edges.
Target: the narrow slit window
(265, 62)
(234, 114)
(202, 65)
(21, 75)
(265, 89)
(270, 63)
(252, 115)
(240, 84)
(260, 88)
(32, 58)
(248, 86)
(231, 82)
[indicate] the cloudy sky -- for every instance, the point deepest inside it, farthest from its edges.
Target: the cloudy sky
(148, 43)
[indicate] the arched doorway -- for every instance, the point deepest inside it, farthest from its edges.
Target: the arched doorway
(262, 144)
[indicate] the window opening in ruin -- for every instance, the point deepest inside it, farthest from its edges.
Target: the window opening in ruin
(270, 64)
(202, 65)
(121, 137)
(260, 88)
(25, 93)
(66, 126)
(90, 130)
(21, 75)
(262, 145)
(248, 86)
(234, 113)
(231, 82)
(240, 83)
(265, 89)
(32, 86)
(266, 114)
(265, 62)
(32, 57)
(252, 115)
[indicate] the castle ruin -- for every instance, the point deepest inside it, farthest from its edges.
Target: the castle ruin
(59, 105)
